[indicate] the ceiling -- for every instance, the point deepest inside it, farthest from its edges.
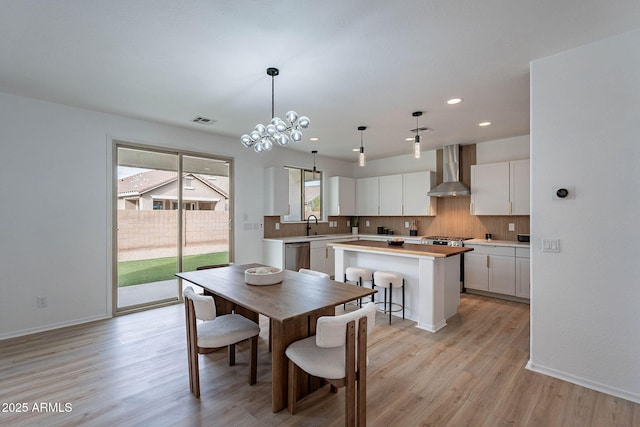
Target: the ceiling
(342, 63)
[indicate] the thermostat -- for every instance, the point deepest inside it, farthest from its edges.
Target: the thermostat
(564, 192)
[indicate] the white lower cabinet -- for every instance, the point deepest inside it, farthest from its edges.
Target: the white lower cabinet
(323, 256)
(523, 276)
(495, 269)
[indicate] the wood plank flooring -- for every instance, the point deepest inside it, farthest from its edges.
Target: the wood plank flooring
(132, 370)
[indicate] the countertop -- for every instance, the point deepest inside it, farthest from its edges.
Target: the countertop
(497, 243)
(435, 251)
(312, 238)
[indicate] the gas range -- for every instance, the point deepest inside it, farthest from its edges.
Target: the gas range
(444, 240)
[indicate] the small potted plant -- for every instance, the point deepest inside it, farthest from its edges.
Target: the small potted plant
(354, 224)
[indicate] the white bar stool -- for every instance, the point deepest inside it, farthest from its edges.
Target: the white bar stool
(389, 280)
(359, 275)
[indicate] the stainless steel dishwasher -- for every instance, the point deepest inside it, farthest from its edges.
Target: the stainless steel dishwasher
(297, 255)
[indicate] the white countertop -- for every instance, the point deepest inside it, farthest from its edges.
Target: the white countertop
(312, 238)
(497, 243)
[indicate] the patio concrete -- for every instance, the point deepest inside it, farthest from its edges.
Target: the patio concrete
(150, 292)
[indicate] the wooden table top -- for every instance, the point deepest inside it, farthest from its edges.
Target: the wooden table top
(436, 251)
(298, 294)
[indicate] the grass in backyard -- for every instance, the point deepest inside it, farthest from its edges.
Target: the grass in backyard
(157, 269)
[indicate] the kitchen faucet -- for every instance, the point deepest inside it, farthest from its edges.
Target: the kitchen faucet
(309, 226)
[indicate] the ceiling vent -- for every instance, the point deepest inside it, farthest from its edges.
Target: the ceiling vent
(203, 121)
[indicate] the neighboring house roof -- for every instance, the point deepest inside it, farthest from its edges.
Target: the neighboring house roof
(144, 182)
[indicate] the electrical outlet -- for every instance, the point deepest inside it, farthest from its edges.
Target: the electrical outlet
(42, 302)
(366, 223)
(406, 224)
(277, 226)
(348, 224)
(512, 226)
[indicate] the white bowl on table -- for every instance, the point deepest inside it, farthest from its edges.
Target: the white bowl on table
(260, 276)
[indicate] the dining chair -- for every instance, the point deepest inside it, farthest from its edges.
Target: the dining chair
(215, 332)
(337, 353)
(314, 273)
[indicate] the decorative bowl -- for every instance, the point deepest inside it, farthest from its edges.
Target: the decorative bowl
(260, 276)
(395, 242)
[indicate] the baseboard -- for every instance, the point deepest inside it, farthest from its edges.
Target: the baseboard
(603, 388)
(53, 326)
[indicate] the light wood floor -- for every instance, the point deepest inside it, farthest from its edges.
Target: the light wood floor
(132, 370)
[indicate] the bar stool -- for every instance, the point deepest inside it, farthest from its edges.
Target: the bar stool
(389, 280)
(358, 275)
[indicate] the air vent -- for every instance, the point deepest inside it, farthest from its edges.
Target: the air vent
(203, 121)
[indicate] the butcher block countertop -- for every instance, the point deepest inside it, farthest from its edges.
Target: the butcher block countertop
(435, 251)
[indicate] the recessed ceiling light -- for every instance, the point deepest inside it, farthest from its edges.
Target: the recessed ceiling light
(454, 101)
(314, 138)
(483, 124)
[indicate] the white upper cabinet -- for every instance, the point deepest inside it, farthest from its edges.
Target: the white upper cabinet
(500, 188)
(276, 192)
(342, 196)
(415, 187)
(519, 189)
(367, 196)
(390, 200)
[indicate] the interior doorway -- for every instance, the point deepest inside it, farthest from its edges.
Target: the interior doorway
(172, 213)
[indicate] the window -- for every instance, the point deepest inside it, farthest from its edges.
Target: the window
(305, 194)
(158, 205)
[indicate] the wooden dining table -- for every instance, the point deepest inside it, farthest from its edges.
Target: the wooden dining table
(293, 307)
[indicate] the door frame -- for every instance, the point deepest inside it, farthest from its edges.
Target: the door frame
(112, 219)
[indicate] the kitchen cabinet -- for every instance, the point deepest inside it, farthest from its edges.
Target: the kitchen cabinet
(367, 196)
(491, 269)
(390, 198)
(342, 196)
(323, 256)
(500, 188)
(415, 187)
(276, 192)
(523, 276)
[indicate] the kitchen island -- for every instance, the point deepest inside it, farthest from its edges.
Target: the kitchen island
(431, 274)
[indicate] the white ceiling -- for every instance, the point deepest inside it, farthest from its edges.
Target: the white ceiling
(342, 63)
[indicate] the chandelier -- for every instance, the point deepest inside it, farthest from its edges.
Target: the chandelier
(278, 131)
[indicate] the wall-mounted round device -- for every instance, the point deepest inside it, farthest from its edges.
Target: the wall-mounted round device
(562, 193)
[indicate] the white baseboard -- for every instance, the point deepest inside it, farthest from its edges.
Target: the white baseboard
(603, 388)
(53, 326)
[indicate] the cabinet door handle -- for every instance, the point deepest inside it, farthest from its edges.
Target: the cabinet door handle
(488, 262)
(326, 252)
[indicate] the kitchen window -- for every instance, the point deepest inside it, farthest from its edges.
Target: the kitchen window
(305, 194)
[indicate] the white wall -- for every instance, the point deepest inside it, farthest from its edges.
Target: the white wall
(395, 165)
(585, 311)
(55, 225)
(503, 150)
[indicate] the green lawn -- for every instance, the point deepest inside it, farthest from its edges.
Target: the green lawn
(157, 269)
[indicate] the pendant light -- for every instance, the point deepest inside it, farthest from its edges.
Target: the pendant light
(278, 131)
(362, 160)
(416, 140)
(314, 152)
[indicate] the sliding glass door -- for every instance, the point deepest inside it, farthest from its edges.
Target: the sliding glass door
(172, 214)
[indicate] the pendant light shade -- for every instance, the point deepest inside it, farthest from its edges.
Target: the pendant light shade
(362, 160)
(417, 149)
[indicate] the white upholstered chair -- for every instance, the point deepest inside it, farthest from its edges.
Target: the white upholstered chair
(215, 332)
(314, 273)
(337, 353)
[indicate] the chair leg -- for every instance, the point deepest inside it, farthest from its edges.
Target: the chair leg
(403, 304)
(293, 380)
(390, 301)
(253, 360)
(232, 354)
(270, 337)
(360, 299)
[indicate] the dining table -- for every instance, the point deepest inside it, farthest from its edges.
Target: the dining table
(293, 307)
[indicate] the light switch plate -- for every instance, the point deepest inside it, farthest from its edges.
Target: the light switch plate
(550, 245)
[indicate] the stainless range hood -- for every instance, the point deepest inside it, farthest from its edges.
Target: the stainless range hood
(451, 185)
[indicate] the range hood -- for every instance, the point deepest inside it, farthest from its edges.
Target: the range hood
(451, 185)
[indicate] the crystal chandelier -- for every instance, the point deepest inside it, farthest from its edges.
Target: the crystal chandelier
(278, 131)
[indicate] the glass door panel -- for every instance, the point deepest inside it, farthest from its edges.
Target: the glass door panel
(147, 227)
(205, 217)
